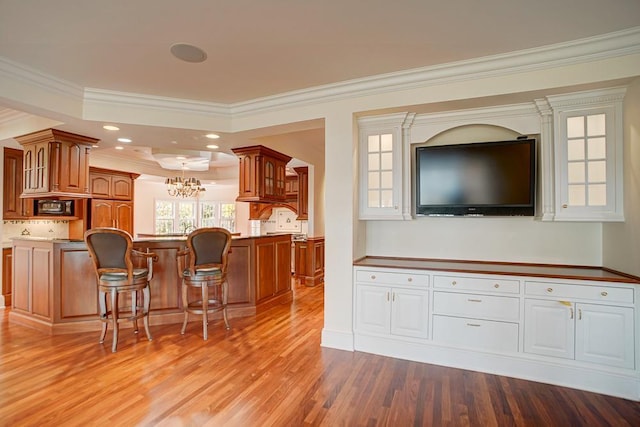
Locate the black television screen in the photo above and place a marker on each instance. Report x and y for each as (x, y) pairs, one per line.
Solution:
(485, 178)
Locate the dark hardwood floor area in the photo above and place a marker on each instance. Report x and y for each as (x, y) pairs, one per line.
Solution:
(268, 370)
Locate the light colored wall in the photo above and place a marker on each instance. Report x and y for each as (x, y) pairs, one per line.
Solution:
(621, 241)
(147, 192)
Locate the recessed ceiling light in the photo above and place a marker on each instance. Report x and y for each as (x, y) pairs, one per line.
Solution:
(119, 147)
(124, 140)
(212, 136)
(181, 158)
(94, 146)
(110, 127)
(188, 52)
(212, 146)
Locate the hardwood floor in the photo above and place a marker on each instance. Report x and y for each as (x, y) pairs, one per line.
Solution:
(268, 370)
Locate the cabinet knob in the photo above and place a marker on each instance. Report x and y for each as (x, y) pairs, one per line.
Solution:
(410, 279)
(549, 290)
(453, 283)
(565, 206)
(373, 277)
(604, 293)
(496, 285)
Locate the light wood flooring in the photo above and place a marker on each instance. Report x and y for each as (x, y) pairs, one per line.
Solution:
(268, 370)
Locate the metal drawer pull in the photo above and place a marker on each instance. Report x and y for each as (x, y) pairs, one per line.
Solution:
(473, 324)
(604, 293)
(454, 283)
(579, 314)
(496, 286)
(571, 309)
(410, 279)
(474, 300)
(549, 290)
(373, 277)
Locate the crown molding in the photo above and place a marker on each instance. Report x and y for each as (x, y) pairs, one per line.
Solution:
(585, 50)
(128, 99)
(15, 72)
(590, 49)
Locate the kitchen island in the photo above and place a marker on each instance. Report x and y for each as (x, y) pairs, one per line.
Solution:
(55, 290)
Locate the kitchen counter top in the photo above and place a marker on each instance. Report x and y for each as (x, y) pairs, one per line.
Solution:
(146, 238)
(501, 268)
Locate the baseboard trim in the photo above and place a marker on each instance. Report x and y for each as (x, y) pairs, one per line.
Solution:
(615, 382)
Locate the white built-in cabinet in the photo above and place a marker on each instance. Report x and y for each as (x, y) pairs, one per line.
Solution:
(580, 140)
(383, 183)
(600, 330)
(578, 333)
(394, 304)
(588, 142)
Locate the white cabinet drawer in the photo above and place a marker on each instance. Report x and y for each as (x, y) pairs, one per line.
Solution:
(595, 292)
(478, 306)
(476, 334)
(389, 278)
(477, 284)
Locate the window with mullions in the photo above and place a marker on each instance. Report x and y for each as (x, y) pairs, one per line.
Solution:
(587, 160)
(180, 216)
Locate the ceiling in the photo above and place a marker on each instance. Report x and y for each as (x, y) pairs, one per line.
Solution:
(258, 49)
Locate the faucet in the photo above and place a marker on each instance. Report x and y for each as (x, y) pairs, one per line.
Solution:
(188, 228)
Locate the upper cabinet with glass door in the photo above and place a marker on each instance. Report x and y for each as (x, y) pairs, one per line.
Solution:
(381, 167)
(588, 154)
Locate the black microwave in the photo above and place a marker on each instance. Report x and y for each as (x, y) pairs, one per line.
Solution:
(54, 207)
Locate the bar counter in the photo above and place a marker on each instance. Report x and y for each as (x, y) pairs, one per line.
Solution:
(55, 290)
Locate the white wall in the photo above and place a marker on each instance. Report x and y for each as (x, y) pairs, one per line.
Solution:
(147, 192)
(621, 241)
(513, 239)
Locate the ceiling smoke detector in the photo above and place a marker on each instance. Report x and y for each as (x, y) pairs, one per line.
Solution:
(188, 52)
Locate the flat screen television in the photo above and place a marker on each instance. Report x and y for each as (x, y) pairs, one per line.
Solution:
(477, 179)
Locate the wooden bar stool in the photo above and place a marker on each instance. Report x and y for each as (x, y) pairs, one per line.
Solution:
(203, 265)
(111, 250)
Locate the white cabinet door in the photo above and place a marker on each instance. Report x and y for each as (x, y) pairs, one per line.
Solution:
(409, 313)
(604, 335)
(373, 309)
(549, 328)
(382, 173)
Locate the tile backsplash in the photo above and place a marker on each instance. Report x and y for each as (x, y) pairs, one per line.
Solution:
(55, 229)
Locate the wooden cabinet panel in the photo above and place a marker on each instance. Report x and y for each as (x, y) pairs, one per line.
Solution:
(13, 206)
(112, 213)
(7, 268)
(239, 274)
(55, 164)
(77, 284)
(122, 187)
(303, 193)
(33, 277)
(100, 184)
(262, 174)
(22, 260)
(265, 270)
(309, 261)
(102, 213)
(41, 281)
(111, 184)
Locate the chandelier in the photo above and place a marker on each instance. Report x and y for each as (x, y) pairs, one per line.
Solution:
(183, 187)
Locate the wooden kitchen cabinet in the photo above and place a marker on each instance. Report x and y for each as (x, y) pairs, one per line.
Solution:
(112, 213)
(303, 193)
(7, 269)
(110, 184)
(55, 164)
(262, 174)
(14, 207)
(309, 261)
